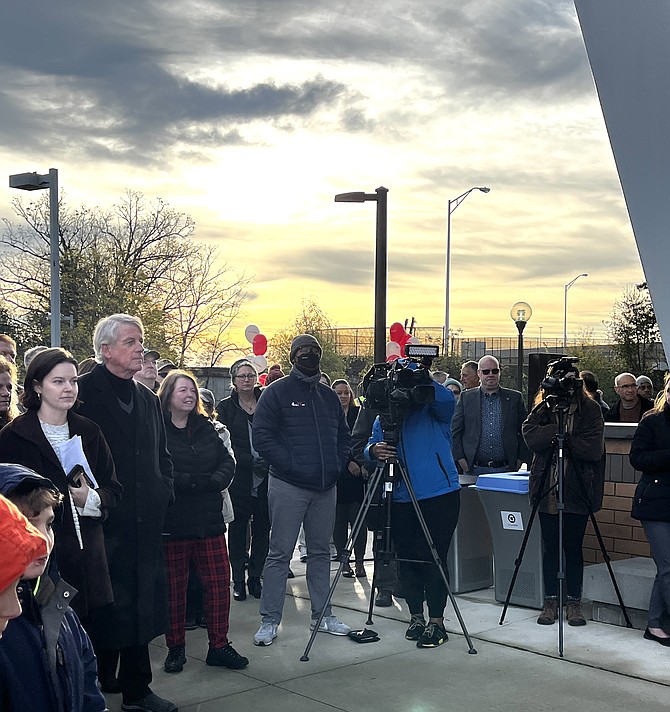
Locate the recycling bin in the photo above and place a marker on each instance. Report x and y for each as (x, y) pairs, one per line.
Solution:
(504, 497)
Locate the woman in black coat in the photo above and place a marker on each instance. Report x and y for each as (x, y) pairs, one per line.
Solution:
(650, 453)
(349, 491)
(194, 527)
(249, 491)
(34, 439)
(584, 464)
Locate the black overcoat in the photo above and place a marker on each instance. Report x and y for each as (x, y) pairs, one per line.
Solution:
(22, 441)
(236, 420)
(133, 530)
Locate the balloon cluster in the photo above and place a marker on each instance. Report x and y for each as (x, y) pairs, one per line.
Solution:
(259, 345)
(395, 348)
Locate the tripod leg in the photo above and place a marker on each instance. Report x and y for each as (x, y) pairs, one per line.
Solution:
(436, 557)
(360, 521)
(596, 529)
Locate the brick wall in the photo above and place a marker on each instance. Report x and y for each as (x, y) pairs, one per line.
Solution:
(623, 537)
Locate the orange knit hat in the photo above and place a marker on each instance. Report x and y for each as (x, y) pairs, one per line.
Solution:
(20, 543)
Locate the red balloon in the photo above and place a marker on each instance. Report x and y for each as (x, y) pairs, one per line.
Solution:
(397, 331)
(404, 339)
(262, 378)
(259, 344)
(392, 357)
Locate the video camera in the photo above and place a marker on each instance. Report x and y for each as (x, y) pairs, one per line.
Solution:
(393, 389)
(562, 381)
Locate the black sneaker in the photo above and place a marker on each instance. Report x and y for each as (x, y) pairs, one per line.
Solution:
(433, 635)
(200, 620)
(417, 626)
(176, 659)
(226, 657)
(151, 703)
(255, 587)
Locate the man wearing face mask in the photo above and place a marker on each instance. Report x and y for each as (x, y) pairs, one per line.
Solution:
(300, 429)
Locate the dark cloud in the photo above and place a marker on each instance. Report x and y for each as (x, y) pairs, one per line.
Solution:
(124, 80)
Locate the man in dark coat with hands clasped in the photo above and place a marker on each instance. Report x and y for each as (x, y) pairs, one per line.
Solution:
(130, 418)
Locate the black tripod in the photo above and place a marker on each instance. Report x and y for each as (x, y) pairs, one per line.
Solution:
(560, 406)
(387, 476)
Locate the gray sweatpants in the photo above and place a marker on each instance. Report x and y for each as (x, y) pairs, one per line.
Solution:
(290, 507)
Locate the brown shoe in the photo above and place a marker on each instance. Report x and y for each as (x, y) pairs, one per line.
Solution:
(549, 612)
(573, 612)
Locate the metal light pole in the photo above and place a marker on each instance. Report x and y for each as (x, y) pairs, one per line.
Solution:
(34, 181)
(451, 206)
(565, 307)
(520, 313)
(381, 263)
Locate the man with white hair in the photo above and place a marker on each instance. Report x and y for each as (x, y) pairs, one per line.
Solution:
(486, 428)
(630, 406)
(130, 418)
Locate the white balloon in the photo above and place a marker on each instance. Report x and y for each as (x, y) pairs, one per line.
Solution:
(392, 349)
(251, 331)
(260, 361)
(413, 340)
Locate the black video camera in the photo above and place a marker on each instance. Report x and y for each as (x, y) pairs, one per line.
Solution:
(393, 389)
(562, 381)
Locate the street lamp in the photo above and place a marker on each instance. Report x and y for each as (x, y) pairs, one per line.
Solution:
(451, 206)
(34, 181)
(381, 253)
(565, 308)
(520, 313)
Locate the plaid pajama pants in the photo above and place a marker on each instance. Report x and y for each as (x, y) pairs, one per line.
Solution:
(210, 557)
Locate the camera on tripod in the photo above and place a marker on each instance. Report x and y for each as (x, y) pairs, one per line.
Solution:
(561, 382)
(393, 389)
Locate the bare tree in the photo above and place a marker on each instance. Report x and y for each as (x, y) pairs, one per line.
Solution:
(138, 257)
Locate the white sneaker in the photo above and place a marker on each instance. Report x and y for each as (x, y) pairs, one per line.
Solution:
(331, 625)
(266, 634)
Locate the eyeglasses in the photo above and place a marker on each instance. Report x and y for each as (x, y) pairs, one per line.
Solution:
(627, 385)
(486, 371)
(245, 376)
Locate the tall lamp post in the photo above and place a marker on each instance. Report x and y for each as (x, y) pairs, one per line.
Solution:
(565, 307)
(381, 263)
(451, 206)
(520, 313)
(34, 181)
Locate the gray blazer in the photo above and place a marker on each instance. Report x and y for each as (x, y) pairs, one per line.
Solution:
(466, 426)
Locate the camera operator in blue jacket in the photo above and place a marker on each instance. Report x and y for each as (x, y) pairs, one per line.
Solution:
(424, 451)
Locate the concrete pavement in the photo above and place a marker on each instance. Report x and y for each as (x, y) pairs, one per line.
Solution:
(517, 667)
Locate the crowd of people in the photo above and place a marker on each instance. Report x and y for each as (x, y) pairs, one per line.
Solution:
(126, 491)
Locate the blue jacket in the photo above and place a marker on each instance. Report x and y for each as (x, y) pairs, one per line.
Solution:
(424, 448)
(300, 429)
(46, 659)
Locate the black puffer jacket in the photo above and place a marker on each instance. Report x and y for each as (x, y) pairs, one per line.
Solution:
(650, 453)
(202, 468)
(300, 429)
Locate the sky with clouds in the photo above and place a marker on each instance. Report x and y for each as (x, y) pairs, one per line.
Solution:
(251, 116)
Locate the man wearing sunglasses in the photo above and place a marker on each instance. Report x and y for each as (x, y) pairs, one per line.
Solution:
(486, 428)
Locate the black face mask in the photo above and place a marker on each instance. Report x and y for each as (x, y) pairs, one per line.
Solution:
(308, 361)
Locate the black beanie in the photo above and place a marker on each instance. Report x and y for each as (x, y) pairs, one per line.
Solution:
(303, 340)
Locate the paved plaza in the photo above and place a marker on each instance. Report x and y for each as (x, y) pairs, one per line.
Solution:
(516, 667)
